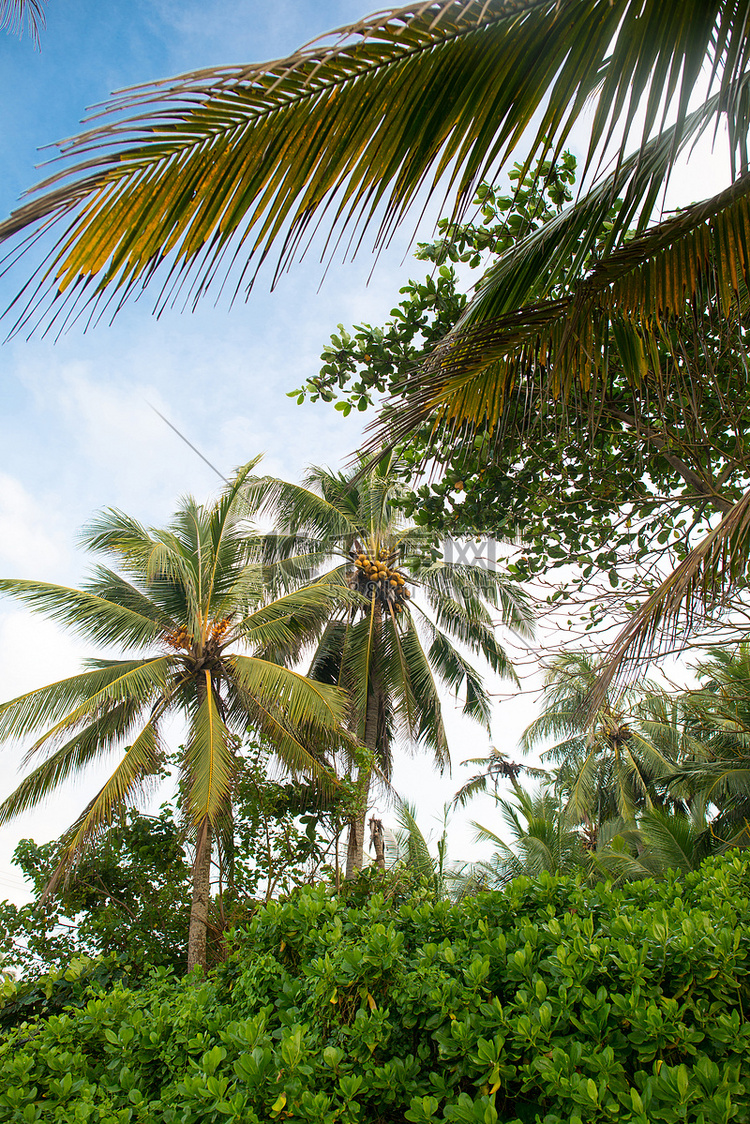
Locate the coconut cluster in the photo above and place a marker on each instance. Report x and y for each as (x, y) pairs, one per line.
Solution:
(181, 639)
(375, 573)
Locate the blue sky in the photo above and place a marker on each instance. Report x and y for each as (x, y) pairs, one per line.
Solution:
(76, 430)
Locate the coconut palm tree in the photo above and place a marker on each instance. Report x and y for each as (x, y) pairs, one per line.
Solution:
(611, 766)
(190, 606)
(396, 644)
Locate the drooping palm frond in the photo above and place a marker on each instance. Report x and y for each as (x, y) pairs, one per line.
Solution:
(136, 770)
(702, 582)
(89, 614)
(207, 765)
(15, 14)
(208, 170)
(505, 367)
(63, 707)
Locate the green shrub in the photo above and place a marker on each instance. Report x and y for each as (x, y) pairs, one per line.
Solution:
(551, 1002)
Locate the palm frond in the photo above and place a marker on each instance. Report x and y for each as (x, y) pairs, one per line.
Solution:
(76, 701)
(14, 14)
(92, 616)
(106, 733)
(701, 582)
(429, 730)
(213, 167)
(472, 584)
(141, 761)
(209, 762)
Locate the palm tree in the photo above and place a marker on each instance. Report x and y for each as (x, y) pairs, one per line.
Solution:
(389, 648)
(612, 765)
(543, 836)
(663, 840)
(717, 771)
(191, 601)
(411, 850)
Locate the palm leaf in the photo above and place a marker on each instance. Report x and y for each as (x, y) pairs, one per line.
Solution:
(209, 764)
(700, 583)
(93, 616)
(76, 701)
(212, 168)
(104, 734)
(15, 13)
(141, 761)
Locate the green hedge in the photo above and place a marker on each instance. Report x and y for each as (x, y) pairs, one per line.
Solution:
(551, 1002)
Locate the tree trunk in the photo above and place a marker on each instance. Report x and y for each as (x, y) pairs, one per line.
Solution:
(355, 845)
(201, 897)
(377, 839)
(372, 736)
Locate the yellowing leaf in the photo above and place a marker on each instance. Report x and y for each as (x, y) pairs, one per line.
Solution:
(371, 1002)
(279, 1103)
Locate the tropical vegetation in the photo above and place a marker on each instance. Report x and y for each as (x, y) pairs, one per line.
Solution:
(402, 639)
(588, 403)
(551, 1001)
(193, 598)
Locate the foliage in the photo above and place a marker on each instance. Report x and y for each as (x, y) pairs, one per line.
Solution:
(544, 838)
(399, 637)
(129, 899)
(551, 1002)
(218, 166)
(190, 599)
(622, 495)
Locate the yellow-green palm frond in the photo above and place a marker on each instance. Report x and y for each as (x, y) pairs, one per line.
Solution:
(209, 170)
(620, 314)
(105, 734)
(61, 707)
(208, 766)
(293, 620)
(303, 511)
(138, 767)
(88, 614)
(302, 719)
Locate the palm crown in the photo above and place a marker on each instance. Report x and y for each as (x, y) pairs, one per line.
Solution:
(192, 597)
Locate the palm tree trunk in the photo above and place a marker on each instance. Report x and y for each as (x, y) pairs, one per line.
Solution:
(355, 847)
(201, 896)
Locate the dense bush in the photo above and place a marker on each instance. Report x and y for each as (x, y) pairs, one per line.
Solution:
(550, 1002)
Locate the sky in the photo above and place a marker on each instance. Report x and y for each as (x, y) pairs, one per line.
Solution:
(77, 432)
